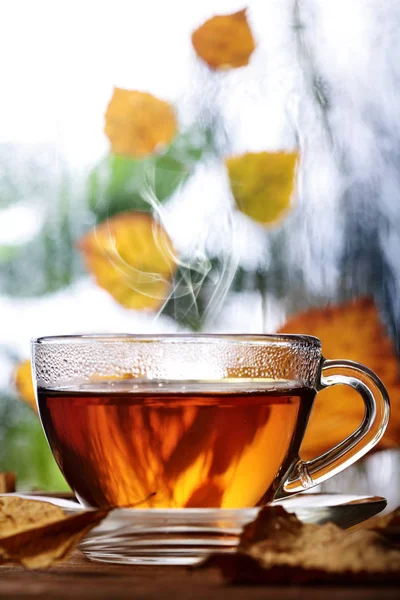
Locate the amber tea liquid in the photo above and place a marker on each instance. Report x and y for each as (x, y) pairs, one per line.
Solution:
(198, 445)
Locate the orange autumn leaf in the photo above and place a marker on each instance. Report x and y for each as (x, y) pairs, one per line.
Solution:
(137, 123)
(132, 258)
(225, 41)
(353, 331)
(24, 383)
(262, 183)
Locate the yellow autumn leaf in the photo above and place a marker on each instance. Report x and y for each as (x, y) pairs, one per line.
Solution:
(137, 123)
(24, 384)
(225, 41)
(351, 330)
(132, 257)
(262, 183)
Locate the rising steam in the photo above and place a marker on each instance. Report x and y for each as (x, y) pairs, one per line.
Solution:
(194, 271)
(195, 267)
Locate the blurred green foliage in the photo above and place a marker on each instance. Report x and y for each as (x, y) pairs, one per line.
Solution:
(121, 183)
(24, 173)
(24, 449)
(49, 261)
(192, 292)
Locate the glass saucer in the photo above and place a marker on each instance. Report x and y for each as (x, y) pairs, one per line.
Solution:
(186, 536)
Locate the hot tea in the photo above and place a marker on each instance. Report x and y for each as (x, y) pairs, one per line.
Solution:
(184, 445)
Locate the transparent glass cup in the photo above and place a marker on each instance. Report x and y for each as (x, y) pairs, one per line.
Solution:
(187, 434)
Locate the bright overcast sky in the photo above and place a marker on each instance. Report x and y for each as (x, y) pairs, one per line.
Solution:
(61, 59)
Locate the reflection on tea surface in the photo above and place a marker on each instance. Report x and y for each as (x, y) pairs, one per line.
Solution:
(182, 448)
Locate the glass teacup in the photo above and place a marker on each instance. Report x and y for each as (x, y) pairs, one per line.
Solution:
(181, 429)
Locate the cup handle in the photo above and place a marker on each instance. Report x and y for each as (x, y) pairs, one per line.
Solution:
(305, 474)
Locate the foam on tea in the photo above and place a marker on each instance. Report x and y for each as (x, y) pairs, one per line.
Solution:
(188, 444)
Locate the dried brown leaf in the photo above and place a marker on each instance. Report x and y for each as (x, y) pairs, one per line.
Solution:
(38, 534)
(277, 548)
(7, 483)
(387, 522)
(388, 525)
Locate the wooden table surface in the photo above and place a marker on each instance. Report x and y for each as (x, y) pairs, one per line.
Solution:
(79, 579)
